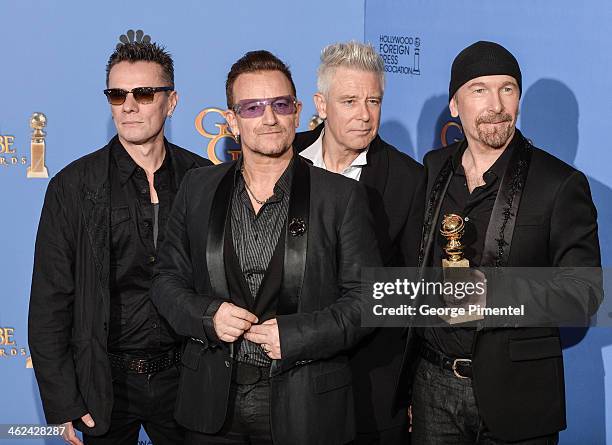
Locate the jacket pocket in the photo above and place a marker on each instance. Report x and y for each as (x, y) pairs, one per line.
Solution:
(119, 215)
(332, 380)
(191, 355)
(534, 348)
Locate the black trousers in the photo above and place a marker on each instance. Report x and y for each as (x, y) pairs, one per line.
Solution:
(248, 418)
(444, 412)
(145, 400)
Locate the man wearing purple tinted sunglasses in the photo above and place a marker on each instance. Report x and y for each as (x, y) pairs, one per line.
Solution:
(261, 272)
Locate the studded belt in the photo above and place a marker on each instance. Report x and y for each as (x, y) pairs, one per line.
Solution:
(150, 365)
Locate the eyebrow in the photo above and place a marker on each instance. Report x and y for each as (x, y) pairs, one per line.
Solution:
(482, 84)
(352, 96)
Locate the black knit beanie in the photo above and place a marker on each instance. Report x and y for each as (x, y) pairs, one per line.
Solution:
(482, 59)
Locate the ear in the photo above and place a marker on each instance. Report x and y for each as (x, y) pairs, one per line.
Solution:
(172, 102)
(231, 119)
(298, 111)
(321, 105)
(453, 107)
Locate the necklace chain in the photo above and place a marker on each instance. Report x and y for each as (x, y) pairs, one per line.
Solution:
(246, 184)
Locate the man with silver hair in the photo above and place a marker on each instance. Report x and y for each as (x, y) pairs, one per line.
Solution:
(349, 99)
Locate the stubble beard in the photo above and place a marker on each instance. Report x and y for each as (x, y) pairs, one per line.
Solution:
(495, 136)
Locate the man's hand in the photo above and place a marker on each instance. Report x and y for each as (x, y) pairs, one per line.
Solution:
(69, 435)
(266, 335)
(231, 321)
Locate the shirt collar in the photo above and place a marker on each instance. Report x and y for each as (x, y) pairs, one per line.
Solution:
(499, 166)
(283, 184)
(127, 166)
(314, 153)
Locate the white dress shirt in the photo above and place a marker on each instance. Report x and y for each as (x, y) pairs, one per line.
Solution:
(314, 153)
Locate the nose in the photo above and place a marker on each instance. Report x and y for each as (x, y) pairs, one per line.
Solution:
(495, 103)
(130, 105)
(269, 117)
(363, 111)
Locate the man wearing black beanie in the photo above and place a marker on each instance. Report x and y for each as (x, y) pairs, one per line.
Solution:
(521, 207)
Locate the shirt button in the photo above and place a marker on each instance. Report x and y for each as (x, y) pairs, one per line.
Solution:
(151, 259)
(144, 191)
(155, 325)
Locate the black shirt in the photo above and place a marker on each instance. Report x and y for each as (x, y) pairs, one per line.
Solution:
(476, 209)
(135, 327)
(255, 237)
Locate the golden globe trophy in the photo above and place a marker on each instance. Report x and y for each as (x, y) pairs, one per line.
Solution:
(37, 168)
(456, 271)
(452, 229)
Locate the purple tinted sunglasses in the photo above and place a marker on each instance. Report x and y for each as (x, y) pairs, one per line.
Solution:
(249, 108)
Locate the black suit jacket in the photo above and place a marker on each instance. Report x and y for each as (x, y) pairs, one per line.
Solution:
(318, 310)
(395, 186)
(70, 297)
(518, 372)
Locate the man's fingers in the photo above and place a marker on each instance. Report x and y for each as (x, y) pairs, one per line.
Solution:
(264, 329)
(228, 338)
(255, 337)
(239, 323)
(88, 420)
(271, 321)
(232, 331)
(69, 435)
(244, 314)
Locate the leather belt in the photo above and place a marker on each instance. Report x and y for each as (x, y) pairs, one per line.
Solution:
(245, 374)
(151, 365)
(461, 367)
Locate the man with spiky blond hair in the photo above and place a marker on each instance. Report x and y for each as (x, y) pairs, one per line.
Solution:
(350, 86)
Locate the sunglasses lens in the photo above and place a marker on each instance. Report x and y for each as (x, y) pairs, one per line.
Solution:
(283, 105)
(252, 109)
(116, 96)
(255, 108)
(143, 95)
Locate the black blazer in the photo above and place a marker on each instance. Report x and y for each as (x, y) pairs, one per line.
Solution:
(70, 297)
(395, 185)
(318, 311)
(518, 372)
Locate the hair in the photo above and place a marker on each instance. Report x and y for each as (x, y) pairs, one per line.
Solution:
(351, 54)
(252, 62)
(143, 52)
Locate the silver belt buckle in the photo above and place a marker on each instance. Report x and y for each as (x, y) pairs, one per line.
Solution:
(457, 360)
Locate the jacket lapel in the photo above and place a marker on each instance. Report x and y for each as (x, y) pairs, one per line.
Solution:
(432, 211)
(180, 164)
(500, 230)
(219, 215)
(296, 239)
(375, 173)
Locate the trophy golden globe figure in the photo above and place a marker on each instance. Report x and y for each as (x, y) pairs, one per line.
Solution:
(452, 229)
(37, 168)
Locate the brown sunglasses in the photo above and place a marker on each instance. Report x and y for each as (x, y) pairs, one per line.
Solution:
(142, 95)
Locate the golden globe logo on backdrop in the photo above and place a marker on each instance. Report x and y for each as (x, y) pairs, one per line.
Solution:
(8, 152)
(10, 349)
(451, 132)
(221, 145)
(10, 157)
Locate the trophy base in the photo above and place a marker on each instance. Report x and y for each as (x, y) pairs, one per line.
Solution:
(459, 263)
(44, 173)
